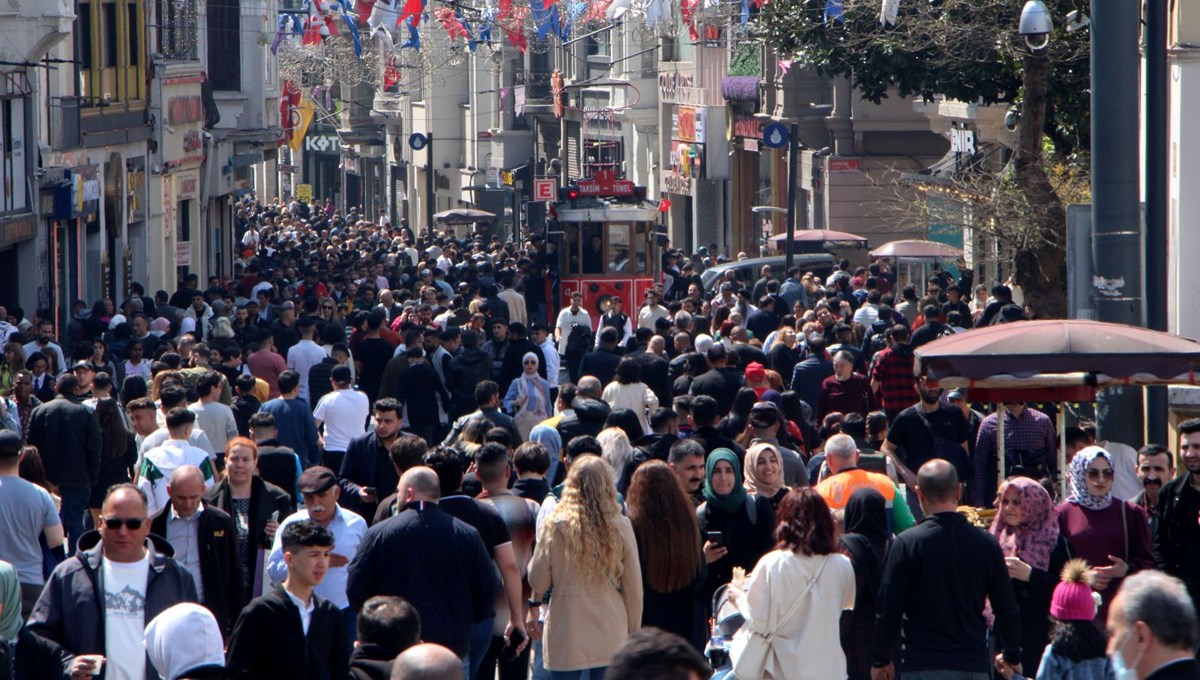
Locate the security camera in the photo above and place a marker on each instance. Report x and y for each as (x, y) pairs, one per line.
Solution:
(1012, 118)
(1036, 24)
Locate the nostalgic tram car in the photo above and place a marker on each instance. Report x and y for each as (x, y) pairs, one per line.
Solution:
(608, 243)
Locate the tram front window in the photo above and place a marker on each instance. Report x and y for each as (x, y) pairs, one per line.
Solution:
(619, 248)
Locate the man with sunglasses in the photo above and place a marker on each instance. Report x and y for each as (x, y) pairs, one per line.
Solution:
(96, 605)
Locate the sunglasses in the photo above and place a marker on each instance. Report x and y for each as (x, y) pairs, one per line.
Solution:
(1093, 473)
(115, 523)
(531, 363)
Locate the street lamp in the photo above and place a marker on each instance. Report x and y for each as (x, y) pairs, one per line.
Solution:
(776, 210)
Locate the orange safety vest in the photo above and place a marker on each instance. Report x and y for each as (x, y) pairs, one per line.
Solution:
(836, 490)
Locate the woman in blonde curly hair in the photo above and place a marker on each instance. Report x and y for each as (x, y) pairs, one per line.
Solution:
(588, 553)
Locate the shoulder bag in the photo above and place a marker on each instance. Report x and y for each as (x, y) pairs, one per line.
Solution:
(750, 662)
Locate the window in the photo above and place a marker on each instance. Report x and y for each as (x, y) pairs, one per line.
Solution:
(13, 193)
(177, 29)
(224, 45)
(111, 51)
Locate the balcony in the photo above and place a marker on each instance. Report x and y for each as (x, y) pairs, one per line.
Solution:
(65, 130)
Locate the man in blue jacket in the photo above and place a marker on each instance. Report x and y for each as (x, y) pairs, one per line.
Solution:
(294, 422)
(434, 561)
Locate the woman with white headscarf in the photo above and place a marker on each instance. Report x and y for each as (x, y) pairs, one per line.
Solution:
(528, 397)
(1111, 534)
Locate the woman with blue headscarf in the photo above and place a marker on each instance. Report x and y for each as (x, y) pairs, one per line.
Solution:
(745, 523)
(1113, 535)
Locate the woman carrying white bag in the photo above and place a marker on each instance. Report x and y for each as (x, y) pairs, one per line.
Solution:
(794, 598)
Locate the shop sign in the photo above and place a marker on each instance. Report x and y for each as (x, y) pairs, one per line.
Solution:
(183, 116)
(746, 127)
(169, 207)
(328, 144)
(687, 124)
(676, 86)
(844, 164)
(304, 192)
(183, 254)
(676, 184)
(18, 229)
(188, 185)
(135, 188)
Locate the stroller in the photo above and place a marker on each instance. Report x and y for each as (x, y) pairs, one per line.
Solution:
(726, 621)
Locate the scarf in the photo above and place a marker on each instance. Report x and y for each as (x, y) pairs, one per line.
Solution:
(735, 499)
(535, 398)
(10, 600)
(1079, 489)
(867, 535)
(754, 484)
(1035, 537)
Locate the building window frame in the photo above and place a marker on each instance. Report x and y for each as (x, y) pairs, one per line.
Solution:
(112, 53)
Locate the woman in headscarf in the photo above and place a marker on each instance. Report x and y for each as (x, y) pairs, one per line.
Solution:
(528, 397)
(764, 473)
(865, 541)
(550, 438)
(738, 528)
(1026, 525)
(1111, 534)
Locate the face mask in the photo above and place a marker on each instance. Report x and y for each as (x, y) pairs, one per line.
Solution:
(1120, 669)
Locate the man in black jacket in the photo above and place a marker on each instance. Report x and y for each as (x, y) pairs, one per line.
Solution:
(653, 364)
(602, 362)
(588, 412)
(273, 638)
(67, 434)
(468, 368)
(936, 580)
(82, 614)
(1176, 538)
(387, 625)
(436, 562)
(719, 382)
(205, 543)
(518, 347)
(1152, 626)
(704, 417)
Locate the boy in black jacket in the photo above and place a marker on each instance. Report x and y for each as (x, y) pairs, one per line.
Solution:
(290, 632)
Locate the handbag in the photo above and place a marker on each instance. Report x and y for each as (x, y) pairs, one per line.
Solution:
(526, 419)
(750, 662)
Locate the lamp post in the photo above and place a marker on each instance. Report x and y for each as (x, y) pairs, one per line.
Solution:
(776, 210)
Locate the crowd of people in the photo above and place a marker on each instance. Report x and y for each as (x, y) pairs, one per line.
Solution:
(367, 455)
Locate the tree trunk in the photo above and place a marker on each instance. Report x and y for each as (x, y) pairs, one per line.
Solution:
(1040, 261)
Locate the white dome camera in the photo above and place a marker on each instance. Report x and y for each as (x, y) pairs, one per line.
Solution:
(1036, 24)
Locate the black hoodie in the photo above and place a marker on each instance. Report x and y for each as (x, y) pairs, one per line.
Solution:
(467, 369)
(587, 418)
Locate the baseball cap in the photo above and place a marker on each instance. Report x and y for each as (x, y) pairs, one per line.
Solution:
(316, 479)
(82, 363)
(957, 394)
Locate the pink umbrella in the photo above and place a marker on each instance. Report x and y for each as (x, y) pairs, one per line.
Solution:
(917, 250)
(819, 235)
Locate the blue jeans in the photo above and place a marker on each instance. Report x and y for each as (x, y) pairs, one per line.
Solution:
(74, 507)
(586, 673)
(481, 640)
(539, 670)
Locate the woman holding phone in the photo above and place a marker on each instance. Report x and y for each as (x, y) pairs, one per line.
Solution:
(737, 527)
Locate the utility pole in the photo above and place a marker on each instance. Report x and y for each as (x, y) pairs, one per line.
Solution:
(1116, 215)
(793, 152)
(430, 203)
(1156, 176)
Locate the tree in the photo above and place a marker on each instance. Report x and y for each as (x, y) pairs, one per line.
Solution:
(968, 50)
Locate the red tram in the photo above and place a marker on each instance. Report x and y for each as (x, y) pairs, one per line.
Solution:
(608, 243)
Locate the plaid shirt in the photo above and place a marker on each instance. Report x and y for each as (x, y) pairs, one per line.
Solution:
(893, 370)
(1031, 435)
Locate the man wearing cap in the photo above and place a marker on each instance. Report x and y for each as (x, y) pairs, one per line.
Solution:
(318, 485)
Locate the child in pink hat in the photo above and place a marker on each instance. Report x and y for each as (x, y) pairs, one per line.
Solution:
(1077, 648)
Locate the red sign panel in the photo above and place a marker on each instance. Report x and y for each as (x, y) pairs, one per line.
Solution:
(605, 183)
(543, 189)
(844, 164)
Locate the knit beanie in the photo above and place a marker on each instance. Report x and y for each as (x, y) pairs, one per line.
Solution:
(1072, 600)
(755, 372)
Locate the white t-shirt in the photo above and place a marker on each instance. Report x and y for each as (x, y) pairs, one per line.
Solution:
(565, 318)
(301, 357)
(125, 618)
(344, 414)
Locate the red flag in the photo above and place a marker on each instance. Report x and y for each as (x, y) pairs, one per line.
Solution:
(364, 10)
(412, 8)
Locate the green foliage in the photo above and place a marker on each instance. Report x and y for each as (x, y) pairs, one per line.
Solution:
(968, 50)
(746, 60)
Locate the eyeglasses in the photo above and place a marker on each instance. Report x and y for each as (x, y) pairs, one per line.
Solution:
(115, 523)
(1107, 473)
(531, 363)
